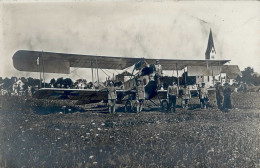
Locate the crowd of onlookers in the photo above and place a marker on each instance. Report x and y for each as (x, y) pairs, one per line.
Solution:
(27, 86)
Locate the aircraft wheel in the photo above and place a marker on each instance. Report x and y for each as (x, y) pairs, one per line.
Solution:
(128, 106)
(4, 92)
(164, 106)
(135, 107)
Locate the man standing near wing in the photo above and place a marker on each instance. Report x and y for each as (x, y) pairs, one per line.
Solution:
(111, 97)
(172, 94)
(203, 95)
(139, 95)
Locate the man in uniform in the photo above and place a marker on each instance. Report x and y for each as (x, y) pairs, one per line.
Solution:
(186, 97)
(158, 73)
(203, 95)
(111, 97)
(219, 95)
(172, 95)
(139, 95)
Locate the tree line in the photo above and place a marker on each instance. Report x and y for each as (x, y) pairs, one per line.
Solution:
(7, 83)
(249, 76)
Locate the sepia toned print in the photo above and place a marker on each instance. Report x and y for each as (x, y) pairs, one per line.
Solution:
(129, 84)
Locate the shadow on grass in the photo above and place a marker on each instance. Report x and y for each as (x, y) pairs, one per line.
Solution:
(57, 109)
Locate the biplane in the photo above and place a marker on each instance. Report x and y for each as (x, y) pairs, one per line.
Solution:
(49, 62)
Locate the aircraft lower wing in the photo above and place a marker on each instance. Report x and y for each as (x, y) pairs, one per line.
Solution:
(84, 96)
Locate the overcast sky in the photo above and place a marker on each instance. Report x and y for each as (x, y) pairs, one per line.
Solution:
(177, 30)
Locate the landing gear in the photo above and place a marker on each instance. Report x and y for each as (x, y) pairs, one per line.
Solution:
(164, 106)
(128, 106)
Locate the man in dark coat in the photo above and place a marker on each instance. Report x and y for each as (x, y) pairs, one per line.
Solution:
(227, 97)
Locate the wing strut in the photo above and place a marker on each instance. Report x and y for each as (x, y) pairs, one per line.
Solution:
(185, 76)
(39, 69)
(92, 74)
(177, 75)
(43, 71)
(97, 72)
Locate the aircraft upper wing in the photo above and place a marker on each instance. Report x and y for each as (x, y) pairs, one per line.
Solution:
(49, 62)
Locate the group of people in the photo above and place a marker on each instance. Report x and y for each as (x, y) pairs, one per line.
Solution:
(223, 96)
(112, 96)
(173, 92)
(222, 93)
(156, 70)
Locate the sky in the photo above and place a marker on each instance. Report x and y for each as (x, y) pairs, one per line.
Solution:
(149, 29)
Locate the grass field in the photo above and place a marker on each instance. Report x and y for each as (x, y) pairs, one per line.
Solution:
(187, 138)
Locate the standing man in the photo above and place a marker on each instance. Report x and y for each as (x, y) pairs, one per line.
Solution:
(158, 73)
(15, 88)
(186, 97)
(30, 90)
(219, 95)
(227, 97)
(111, 97)
(203, 95)
(172, 94)
(139, 95)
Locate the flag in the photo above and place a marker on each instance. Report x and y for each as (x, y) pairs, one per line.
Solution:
(210, 52)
